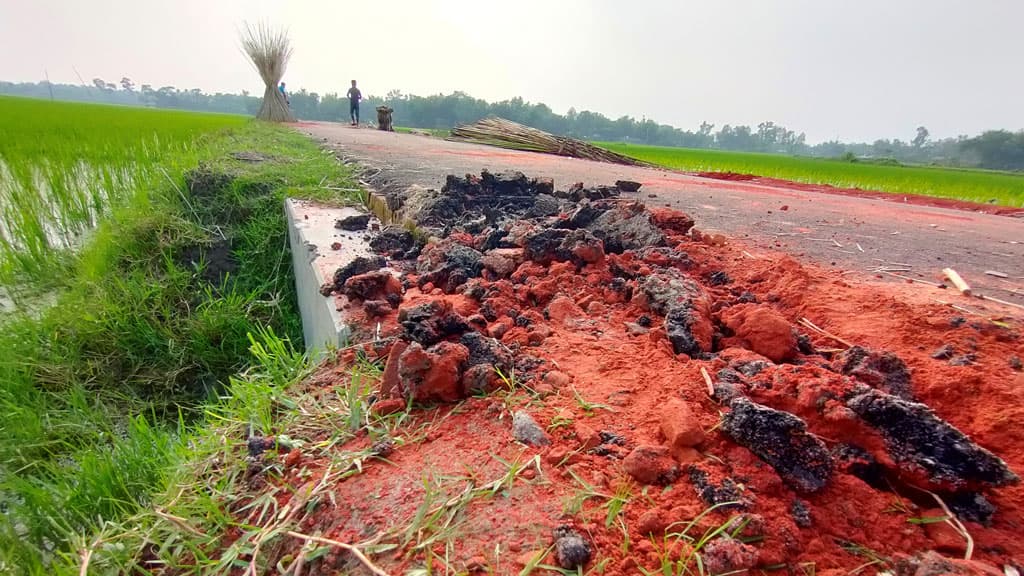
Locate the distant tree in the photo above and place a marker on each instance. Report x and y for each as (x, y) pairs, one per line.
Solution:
(921, 138)
(99, 83)
(127, 84)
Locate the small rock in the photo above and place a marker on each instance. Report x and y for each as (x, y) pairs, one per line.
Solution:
(652, 522)
(499, 328)
(882, 370)
(502, 261)
(571, 550)
(377, 308)
(387, 406)
(377, 285)
(944, 353)
(353, 223)
(335, 245)
(526, 430)
(390, 385)
(432, 374)
(644, 320)
(1016, 363)
(764, 330)
(587, 436)
(678, 424)
(931, 563)
(725, 554)
(558, 379)
(651, 465)
(359, 265)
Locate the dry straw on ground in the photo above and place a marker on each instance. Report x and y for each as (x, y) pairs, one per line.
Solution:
(507, 134)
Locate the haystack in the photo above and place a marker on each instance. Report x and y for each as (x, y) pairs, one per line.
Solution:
(269, 51)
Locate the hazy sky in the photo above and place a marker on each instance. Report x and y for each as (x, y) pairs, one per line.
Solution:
(834, 69)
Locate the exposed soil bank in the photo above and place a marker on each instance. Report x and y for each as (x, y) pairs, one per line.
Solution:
(620, 352)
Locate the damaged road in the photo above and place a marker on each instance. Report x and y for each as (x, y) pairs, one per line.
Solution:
(621, 352)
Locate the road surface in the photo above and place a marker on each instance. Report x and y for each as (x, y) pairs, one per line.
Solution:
(854, 233)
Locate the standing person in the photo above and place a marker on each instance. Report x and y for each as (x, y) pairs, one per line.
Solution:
(354, 96)
(285, 94)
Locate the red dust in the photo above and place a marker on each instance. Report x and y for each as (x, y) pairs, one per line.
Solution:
(598, 376)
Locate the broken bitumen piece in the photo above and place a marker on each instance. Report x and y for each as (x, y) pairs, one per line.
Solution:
(801, 513)
(922, 442)
(725, 495)
(781, 439)
(719, 278)
(882, 370)
(571, 549)
(487, 357)
(353, 223)
(448, 265)
(359, 265)
(526, 430)
(680, 323)
(393, 241)
(628, 185)
(971, 506)
(945, 352)
(431, 322)
(626, 228)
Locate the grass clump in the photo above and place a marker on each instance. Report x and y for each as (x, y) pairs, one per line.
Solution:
(1002, 188)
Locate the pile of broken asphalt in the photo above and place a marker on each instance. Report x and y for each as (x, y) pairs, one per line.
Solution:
(631, 353)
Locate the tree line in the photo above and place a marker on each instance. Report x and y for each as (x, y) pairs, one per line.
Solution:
(993, 149)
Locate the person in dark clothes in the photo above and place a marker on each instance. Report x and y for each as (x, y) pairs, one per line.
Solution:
(354, 96)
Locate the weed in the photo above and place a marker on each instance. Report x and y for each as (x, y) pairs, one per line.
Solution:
(588, 407)
(873, 558)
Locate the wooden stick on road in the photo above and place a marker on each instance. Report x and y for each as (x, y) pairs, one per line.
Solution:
(957, 281)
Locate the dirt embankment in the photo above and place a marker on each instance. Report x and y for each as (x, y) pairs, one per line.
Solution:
(640, 385)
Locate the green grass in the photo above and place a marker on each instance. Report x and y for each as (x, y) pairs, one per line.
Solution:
(1002, 188)
(64, 166)
(101, 388)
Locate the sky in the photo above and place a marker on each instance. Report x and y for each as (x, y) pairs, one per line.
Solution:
(834, 69)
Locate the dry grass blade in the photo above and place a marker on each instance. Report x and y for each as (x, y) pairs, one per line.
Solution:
(355, 551)
(507, 134)
(269, 51)
(808, 324)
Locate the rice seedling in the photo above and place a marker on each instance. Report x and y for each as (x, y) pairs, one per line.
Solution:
(63, 167)
(1003, 188)
(141, 366)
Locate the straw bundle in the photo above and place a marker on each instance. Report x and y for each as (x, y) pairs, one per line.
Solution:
(507, 134)
(269, 52)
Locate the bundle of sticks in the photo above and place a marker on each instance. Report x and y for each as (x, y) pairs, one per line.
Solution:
(507, 134)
